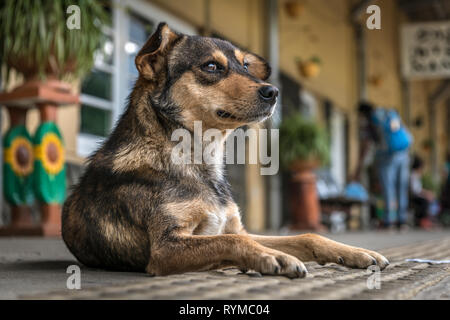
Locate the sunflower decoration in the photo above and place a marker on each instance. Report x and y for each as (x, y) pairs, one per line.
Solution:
(18, 166)
(20, 156)
(49, 165)
(51, 153)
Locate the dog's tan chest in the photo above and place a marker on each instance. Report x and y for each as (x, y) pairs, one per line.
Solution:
(222, 220)
(200, 218)
(212, 223)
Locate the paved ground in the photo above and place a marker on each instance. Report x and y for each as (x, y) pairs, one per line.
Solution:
(36, 268)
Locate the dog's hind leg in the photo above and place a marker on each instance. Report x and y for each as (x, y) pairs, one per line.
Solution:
(312, 247)
(181, 253)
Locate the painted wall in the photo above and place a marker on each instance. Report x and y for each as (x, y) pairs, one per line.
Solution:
(421, 90)
(237, 20)
(322, 30)
(383, 58)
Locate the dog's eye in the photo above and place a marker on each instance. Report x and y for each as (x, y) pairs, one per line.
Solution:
(211, 67)
(246, 66)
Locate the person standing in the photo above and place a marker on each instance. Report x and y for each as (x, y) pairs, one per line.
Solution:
(383, 131)
(424, 202)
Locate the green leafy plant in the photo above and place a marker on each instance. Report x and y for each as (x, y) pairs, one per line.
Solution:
(36, 41)
(314, 59)
(428, 144)
(429, 183)
(302, 140)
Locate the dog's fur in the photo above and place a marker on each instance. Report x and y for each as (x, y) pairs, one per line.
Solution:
(136, 210)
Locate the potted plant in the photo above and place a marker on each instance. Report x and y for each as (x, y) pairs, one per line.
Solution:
(428, 145)
(309, 68)
(37, 43)
(376, 80)
(304, 146)
(294, 9)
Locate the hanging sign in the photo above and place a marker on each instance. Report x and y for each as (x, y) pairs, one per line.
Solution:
(426, 50)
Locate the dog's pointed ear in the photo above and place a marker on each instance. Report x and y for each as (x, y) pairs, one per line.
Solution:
(151, 58)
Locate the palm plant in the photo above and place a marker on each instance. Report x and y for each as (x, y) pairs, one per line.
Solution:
(36, 42)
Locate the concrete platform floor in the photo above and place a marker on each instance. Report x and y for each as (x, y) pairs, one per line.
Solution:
(36, 268)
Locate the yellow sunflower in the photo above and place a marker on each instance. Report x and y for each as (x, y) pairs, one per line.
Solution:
(51, 153)
(20, 156)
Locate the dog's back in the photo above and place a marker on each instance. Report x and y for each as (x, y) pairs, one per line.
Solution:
(104, 220)
(99, 229)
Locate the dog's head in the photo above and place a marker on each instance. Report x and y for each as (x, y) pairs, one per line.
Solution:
(191, 78)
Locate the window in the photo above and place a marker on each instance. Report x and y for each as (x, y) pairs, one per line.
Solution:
(97, 100)
(140, 29)
(105, 89)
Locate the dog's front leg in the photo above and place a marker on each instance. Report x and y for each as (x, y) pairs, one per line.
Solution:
(187, 253)
(312, 247)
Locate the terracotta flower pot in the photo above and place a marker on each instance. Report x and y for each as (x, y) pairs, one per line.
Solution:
(376, 81)
(304, 202)
(30, 68)
(309, 69)
(294, 9)
(304, 165)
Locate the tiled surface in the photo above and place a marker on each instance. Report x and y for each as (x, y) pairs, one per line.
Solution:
(400, 280)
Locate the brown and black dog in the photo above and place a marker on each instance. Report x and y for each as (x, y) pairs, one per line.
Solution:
(134, 209)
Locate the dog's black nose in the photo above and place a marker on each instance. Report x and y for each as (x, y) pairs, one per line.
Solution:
(268, 93)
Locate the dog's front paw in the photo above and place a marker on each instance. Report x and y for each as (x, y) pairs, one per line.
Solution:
(280, 264)
(360, 258)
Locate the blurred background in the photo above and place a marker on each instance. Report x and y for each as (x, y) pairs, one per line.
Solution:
(324, 59)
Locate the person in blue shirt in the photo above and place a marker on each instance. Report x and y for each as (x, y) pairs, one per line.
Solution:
(383, 135)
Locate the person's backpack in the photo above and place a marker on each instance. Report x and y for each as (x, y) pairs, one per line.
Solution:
(394, 134)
